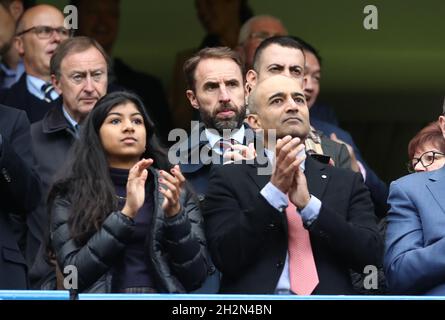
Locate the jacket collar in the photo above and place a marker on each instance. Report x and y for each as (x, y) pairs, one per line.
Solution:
(55, 121)
(435, 184)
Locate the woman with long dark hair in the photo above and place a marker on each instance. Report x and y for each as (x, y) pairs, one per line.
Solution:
(121, 214)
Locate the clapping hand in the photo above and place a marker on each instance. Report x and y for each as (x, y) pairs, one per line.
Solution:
(286, 162)
(136, 187)
(172, 185)
(240, 152)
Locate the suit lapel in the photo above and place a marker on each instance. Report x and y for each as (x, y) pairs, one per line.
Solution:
(317, 177)
(436, 186)
(260, 180)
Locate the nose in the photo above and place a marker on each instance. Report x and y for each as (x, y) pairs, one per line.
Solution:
(128, 125)
(224, 96)
(89, 87)
(291, 105)
(419, 167)
(56, 36)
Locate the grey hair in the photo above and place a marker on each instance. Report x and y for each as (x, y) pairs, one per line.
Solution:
(244, 32)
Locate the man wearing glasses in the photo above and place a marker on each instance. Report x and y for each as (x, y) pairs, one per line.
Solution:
(39, 32)
(253, 32)
(415, 238)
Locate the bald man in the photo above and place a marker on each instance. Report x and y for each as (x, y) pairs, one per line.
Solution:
(39, 32)
(329, 209)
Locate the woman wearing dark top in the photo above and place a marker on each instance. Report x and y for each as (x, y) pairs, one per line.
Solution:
(121, 215)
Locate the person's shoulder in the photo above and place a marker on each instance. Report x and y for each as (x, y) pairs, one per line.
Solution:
(328, 128)
(9, 112)
(414, 180)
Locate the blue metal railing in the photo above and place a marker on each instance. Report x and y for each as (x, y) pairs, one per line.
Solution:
(65, 295)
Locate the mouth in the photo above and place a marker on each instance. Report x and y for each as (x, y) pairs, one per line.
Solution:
(129, 140)
(226, 113)
(88, 100)
(292, 119)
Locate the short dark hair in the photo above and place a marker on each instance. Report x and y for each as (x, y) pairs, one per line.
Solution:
(73, 45)
(209, 53)
(307, 47)
(283, 41)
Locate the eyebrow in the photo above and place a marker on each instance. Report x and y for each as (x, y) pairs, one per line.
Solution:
(282, 94)
(85, 72)
(276, 95)
(120, 114)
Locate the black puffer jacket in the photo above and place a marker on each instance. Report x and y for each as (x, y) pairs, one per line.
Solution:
(177, 246)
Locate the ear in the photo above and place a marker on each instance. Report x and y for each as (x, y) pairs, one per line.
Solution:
(253, 121)
(251, 78)
(192, 98)
(442, 125)
(56, 84)
(16, 9)
(18, 43)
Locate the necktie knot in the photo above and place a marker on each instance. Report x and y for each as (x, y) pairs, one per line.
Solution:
(225, 145)
(47, 89)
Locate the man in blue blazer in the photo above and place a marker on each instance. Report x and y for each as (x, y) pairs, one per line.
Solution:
(415, 237)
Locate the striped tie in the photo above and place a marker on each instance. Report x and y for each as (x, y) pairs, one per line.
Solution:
(47, 88)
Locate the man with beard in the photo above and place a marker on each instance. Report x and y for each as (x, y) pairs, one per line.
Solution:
(216, 89)
(39, 32)
(79, 74)
(215, 81)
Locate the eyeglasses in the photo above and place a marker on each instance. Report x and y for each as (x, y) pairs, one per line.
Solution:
(426, 159)
(46, 32)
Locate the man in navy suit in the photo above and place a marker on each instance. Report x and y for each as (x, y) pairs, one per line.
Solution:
(19, 194)
(39, 32)
(415, 237)
(245, 209)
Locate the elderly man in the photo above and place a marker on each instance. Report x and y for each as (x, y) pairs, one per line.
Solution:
(253, 32)
(298, 230)
(79, 74)
(39, 31)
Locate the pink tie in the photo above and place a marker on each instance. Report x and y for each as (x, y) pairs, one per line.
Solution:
(302, 270)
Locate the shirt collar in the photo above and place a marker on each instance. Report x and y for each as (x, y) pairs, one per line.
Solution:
(34, 86)
(213, 136)
(271, 157)
(68, 117)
